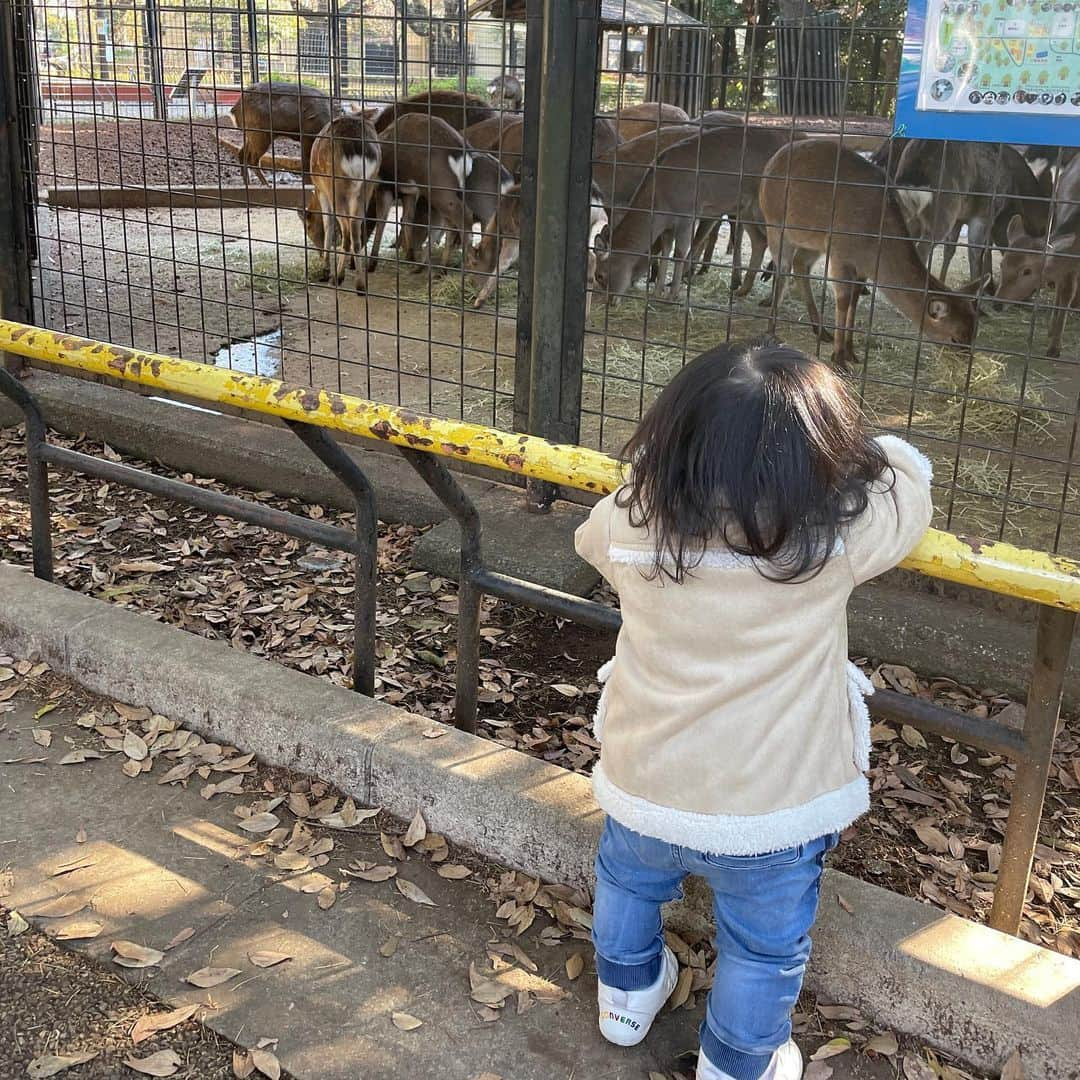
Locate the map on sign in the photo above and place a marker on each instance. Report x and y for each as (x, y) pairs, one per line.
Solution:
(1001, 56)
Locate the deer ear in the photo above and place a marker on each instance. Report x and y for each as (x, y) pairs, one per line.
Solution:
(977, 285)
(1015, 232)
(937, 308)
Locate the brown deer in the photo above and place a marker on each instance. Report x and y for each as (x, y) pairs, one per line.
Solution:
(266, 111)
(453, 107)
(634, 120)
(503, 136)
(345, 159)
(713, 175)
(819, 198)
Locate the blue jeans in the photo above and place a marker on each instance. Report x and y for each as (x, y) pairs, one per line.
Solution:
(765, 906)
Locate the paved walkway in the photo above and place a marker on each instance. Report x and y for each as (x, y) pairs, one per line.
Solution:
(157, 862)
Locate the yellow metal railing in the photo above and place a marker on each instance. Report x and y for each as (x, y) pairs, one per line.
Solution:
(991, 565)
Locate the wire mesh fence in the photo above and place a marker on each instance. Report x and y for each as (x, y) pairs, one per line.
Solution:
(743, 182)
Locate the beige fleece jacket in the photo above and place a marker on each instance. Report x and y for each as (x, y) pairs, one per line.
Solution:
(731, 721)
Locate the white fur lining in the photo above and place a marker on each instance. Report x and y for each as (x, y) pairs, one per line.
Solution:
(895, 447)
(859, 688)
(735, 834)
(712, 559)
(602, 677)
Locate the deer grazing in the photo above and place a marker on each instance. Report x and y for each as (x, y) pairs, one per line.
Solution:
(1032, 262)
(819, 198)
(345, 159)
(710, 176)
(268, 110)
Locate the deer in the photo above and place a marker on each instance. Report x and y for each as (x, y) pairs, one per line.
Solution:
(948, 185)
(710, 176)
(500, 246)
(504, 135)
(345, 159)
(453, 107)
(1032, 262)
(267, 110)
(634, 120)
(506, 93)
(820, 198)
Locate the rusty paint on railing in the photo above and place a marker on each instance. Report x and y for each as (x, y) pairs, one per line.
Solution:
(991, 565)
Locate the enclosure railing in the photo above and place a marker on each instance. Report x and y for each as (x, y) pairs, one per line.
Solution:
(1052, 582)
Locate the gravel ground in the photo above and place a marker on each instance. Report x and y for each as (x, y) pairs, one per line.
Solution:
(57, 1002)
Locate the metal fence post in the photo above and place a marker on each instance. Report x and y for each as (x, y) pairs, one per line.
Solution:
(1052, 642)
(152, 25)
(253, 39)
(16, 287)
(556, 175)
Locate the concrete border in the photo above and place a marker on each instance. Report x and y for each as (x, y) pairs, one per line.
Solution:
(901, 617)
(964, 988)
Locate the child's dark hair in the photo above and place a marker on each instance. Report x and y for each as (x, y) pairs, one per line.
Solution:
(755, 445)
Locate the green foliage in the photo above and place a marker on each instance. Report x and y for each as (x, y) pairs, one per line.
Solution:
(475, 85)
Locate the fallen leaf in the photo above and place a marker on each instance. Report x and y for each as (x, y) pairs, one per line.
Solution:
(453, 871)
(416, 832)
(292, 860)
(327, 897)
(390, 946)
(917, 1069)
(912, 737)
(264, 958)
(681, 992)
(80, 836)
(392, 846)
(413, 892)
(141, 566)
(135, 746)
(79, 756)
(1014, 1068)
(832, 1048)
(178, 772)
(60, 907)
(180, 937)
(149, 1025)
(45, 709)
(372, 873)
(575, 965)
(267, 1063)
(885, 1044)
(211, 976)
(78, 931)
(845, 904)
(163, 1063)
(52, 1064)
(42, 736)
(16, 924)
(260, 823)
(131, 955)
(435, 732)
(932, 837)
(566, 690)
(131, 768)
(405, 1022)
(839, 1012)
(242, 1065)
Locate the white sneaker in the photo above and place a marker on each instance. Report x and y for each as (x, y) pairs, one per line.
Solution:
(627, 1015)
(786, 1064)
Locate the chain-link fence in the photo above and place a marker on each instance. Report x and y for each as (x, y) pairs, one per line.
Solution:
(724, 139)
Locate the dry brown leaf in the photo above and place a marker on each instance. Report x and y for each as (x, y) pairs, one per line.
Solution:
(322, 846)
(16, 924)
(42, 736)
(292, 860)
(135, 746)
(78, 931)
(434, 732)
(681, 992)
(839, 1012)
(413, 892)
(211, 976)
(242, 1065)
(53, 1064)
(265, 958)
(163, 1063)
(454, 871)
(129, 954)
(912, 737)
(1014, 1068)
(80, 836)
(392, 846)
(845, 904)
(416, 832)
(405, 1022)
(260, 823)
(79, 756)
(832, 1048)
(60, 907)
(180, 937)
(149, 1025)
(131, 768)
(372, 873)
(178, 772)
(575, 965)
(327, 897)
(885, 1044)
(266, 1062)
(390, 946)
(932, 837)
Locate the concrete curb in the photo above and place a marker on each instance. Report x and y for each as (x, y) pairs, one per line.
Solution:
(898, 618)
(965, 988)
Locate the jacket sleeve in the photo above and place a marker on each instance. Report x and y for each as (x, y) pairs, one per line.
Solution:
(593, 537)
(896, 517)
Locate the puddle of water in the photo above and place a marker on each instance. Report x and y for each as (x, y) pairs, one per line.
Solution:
(259, 356)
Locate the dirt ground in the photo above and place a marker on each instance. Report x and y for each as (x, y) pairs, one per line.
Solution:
(938, 809)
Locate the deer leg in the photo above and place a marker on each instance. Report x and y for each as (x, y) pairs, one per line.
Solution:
(356, 229)
(384, 200)
(783, 260)
(704, 246)
(757, 255)
(684, 239)
(846, 291)
(329, 229)
(256, 143)
(1066, 295)
(802, 264)
(508, 253)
